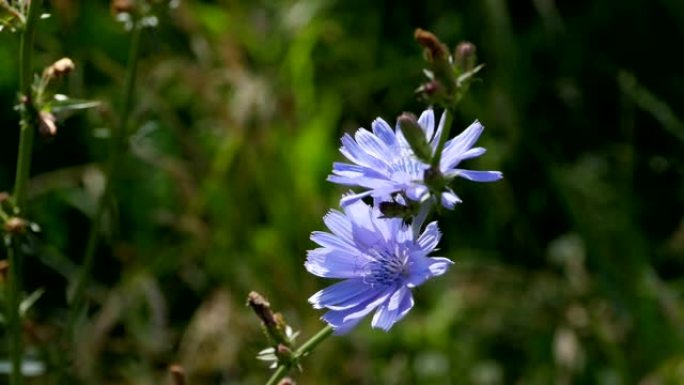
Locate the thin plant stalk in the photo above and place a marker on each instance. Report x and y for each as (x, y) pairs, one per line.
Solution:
(306, 348)
(116, 146)
(27, 128)
(27, 120)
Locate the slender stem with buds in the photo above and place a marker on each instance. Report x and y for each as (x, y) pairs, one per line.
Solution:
(302, 351)
(116, 146)
(27, 128)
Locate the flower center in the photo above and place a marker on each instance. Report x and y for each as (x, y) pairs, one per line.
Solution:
(386, 267)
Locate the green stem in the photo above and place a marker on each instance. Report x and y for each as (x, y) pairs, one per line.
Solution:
(306, 348)
(27, 128)
(13, 316)
(116, 147)
(27, 120)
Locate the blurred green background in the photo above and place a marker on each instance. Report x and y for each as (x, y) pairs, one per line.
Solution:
(569, 271)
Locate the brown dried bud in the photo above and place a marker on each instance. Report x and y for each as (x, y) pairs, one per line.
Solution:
(47, 126)
(262, 309)
(286, 381)
(122, 6)
(434, 49)
(177, 374)
(4, 197)
(16, 226)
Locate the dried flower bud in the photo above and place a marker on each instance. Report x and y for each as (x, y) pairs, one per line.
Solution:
(262, 309)
(465, 56)
(286, 381)
(122, 6)
(16, 226)
(177, 374)
(61, 67)
(47, 126)
(415, 136)
(434, 49)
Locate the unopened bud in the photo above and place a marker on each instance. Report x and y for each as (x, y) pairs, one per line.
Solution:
(16, 226)
(434, 49)
(415, 136)
(122, 6)
(47, 126)
(286, 381)
(61, 67)
(284, 353)
(465, 56)
(177, 374)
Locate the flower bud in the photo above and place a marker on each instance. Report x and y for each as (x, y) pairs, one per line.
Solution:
(415, 136)
(286, 381)
(4, 197)
(61, 67)
(465, 56)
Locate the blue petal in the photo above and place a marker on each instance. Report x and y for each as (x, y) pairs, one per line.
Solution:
(422, 268)
(427, 123)
(479, 176)
(393, 309)
(342, 295)
(455, 148)
(353, 170)
(345, 320)
(440, 129)
(339, 224)
(332, 241)
(356, 154)
(372, 145)
(450, 200)
(429, 239)
(349, 199)
(383, 131)
(333, 263)
(417, 192)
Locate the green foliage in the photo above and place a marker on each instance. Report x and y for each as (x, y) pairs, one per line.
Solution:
(568, 271)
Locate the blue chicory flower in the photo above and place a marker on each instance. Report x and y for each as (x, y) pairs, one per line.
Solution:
(384, 163)
(379, 260)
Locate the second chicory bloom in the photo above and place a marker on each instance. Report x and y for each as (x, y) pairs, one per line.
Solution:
(379, 261)
(384, 163)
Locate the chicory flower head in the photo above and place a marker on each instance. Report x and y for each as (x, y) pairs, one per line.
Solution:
(379, 261)
(385, 164)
